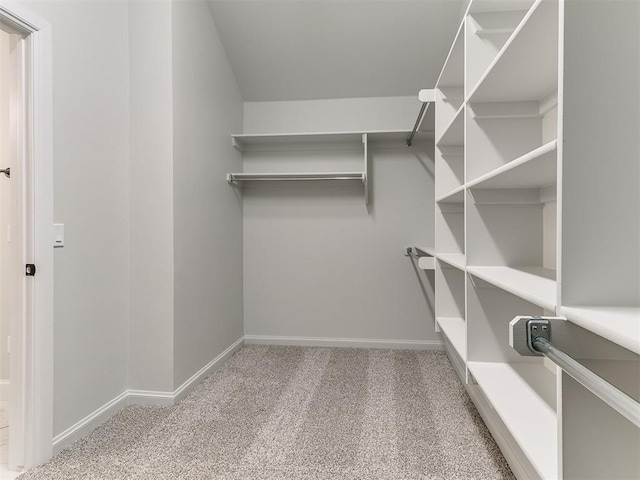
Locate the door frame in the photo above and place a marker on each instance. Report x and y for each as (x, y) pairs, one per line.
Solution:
(35, 353)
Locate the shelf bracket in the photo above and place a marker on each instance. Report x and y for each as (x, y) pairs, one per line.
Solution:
(365, 179)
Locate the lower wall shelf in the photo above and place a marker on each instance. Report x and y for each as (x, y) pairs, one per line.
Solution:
(524, 397)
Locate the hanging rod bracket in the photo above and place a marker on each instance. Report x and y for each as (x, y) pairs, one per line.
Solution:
(524, 330)
(537, 328)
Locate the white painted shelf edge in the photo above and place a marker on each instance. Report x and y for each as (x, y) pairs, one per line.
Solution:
(620, 325)
(242, 140)
(533, 284)
(503, 50)
(456, 260)
(456, 331)
(513, 390)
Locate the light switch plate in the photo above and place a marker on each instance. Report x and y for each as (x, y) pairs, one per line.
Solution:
(58, 234)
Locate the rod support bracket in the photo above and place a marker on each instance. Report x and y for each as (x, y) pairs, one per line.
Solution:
(536, 328)
(523, 330)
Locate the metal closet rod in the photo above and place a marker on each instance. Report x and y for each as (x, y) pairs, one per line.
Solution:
(417, 124)
(617, 399)
(294, 177)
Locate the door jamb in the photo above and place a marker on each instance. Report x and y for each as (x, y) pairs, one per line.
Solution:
(37, 349)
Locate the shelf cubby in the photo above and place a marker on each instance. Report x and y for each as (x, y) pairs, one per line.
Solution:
(511, 241)
(537, 168)
(501, 132)
(448, 102)
(523, 398)
(485, 35)
(450, 314)
(450, 307)
(449, 168)
(450, 230)
(453, 132)
(526, 67)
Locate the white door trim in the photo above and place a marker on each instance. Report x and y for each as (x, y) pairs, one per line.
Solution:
(37, 349)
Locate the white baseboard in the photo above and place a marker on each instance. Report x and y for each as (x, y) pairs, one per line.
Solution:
(139, 397)
(150, 397)
(190, 384)
(343, 342)
(88, 423)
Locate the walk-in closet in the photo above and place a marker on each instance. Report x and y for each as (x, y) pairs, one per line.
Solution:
(320, 239)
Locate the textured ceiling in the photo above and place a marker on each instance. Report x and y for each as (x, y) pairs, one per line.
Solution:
(316, 49)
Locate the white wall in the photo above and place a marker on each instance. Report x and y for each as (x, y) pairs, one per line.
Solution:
(317, 262)
(151, 197)
(338, 115)
(207, 109)
(91, 197)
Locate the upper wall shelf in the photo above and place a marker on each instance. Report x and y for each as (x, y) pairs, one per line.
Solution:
(293, 141)
(527, 66)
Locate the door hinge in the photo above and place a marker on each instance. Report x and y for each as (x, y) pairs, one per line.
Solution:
(30, 270)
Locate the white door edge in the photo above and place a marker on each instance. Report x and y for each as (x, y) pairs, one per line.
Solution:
(37, 347)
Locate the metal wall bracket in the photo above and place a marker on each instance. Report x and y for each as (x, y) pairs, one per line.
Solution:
(537, 327)
(525, 329)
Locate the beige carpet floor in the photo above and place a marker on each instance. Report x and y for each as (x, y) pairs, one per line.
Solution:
(299, 413)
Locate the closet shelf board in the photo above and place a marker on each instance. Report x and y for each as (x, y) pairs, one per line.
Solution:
(427, 250)
(486, 32)
(537, 168)
(456, 260)
(456, 331)
(523, 396)
(508, 78)
(533, 284)
(620, 325)
(257, 142)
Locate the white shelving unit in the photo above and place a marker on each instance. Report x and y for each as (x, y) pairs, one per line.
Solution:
(536, 201)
